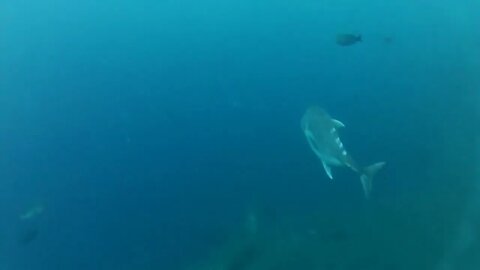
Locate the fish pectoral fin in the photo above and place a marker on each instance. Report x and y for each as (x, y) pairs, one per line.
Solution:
(338, 124)
(328, 170)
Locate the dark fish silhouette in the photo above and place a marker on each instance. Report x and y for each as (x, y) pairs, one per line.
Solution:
(348, 39)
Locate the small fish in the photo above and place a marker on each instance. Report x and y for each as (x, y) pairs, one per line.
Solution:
(323, 138)
(348, 39)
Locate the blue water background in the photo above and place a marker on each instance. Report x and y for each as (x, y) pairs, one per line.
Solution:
(147, 128)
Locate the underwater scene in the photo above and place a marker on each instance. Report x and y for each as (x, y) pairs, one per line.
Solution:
(240, 135)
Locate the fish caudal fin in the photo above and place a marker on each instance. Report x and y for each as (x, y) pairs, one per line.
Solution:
(367, 177)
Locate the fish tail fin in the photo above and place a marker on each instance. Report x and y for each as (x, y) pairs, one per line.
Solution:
(367, 177)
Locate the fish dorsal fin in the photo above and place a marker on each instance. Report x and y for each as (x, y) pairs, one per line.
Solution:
(337, 123)
(328, 170)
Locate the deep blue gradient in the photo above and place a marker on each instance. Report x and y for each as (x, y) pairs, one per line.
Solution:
(148, 128)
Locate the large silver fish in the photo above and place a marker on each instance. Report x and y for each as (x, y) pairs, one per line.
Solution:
(322, 135)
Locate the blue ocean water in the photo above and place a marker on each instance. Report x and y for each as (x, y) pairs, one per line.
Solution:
(156, 134)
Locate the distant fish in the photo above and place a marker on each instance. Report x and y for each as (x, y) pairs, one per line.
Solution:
(244, 258)
(337, 235)
(387, 40)
(32, 212)
(322, 136)
(251, 224)
(27, 236)
(348, 39)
